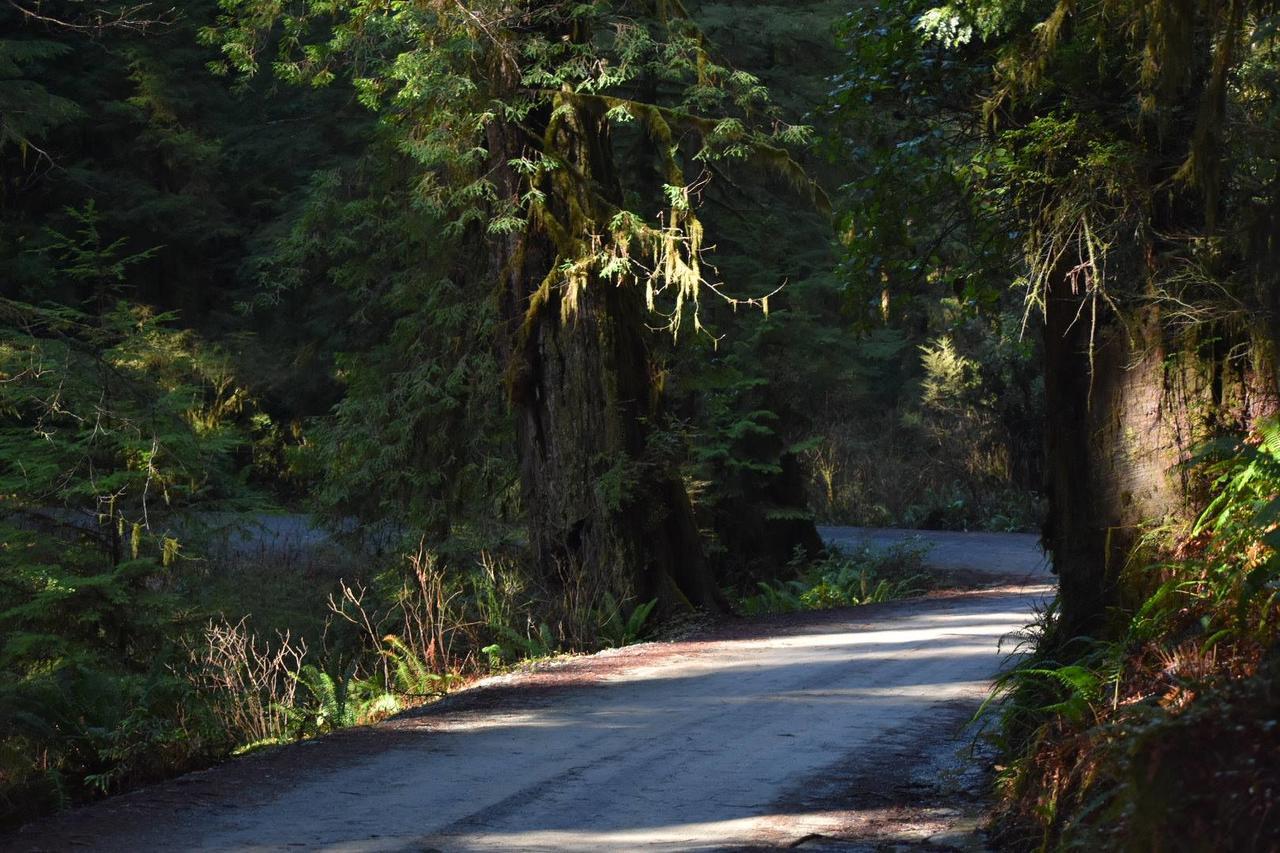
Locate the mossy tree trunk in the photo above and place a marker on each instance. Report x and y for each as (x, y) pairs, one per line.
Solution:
(603, 497)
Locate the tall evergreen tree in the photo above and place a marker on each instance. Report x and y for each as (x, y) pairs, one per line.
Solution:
(1126, 144)
(513, 112)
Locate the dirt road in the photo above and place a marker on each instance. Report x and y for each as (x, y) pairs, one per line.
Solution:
(832, 730)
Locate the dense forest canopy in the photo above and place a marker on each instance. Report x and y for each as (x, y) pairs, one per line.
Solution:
(555, 317)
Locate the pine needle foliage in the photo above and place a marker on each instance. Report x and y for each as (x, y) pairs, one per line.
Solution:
(28, 110)
(446, 75)
(418, 438)
(112, 425)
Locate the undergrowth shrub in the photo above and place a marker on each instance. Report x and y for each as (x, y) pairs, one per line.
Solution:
(251, 684)
(842, 579)
(340, 701)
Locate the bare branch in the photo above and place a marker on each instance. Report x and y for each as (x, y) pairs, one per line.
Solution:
(137, 17)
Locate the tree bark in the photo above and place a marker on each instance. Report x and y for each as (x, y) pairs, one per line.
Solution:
(1110, 451)
(605, 504)
(1123, 411)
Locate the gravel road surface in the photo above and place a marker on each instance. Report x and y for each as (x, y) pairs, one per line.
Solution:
(824, 731)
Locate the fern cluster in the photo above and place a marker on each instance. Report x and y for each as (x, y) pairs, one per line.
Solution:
(863, 576)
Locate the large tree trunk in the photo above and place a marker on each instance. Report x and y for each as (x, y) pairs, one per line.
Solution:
(1112, 448)
(1119, 421)
(605, 503)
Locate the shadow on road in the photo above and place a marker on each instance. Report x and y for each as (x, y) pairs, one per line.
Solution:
(735, 738)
